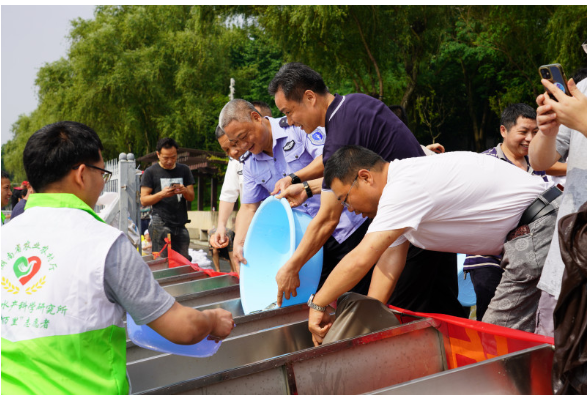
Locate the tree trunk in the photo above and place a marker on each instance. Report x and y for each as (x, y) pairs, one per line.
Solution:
(369, 53)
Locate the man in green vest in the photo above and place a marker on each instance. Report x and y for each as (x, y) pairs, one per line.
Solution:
(68, 278)
(6, 192)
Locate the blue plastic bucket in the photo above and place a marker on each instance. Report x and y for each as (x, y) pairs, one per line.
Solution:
(467, 295)
(274, 234)
(144, 336)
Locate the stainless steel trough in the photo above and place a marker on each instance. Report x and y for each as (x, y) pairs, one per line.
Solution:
(282, 360)
(205, 291)
(245, 324)
(526, 372)
(177, 275)
(156, 265)
(407, 359)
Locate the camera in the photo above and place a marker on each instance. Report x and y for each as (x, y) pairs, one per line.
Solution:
(545, 74)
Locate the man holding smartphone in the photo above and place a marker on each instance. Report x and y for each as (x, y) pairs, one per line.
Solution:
(562, 132)
(167, 186)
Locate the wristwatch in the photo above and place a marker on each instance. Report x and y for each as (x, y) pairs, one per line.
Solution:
(307, 188)
(295, 179)
(312, 305)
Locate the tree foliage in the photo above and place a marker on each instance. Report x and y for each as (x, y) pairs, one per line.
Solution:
(139, 73)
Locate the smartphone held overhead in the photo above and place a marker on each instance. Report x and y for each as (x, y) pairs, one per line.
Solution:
(556, 75)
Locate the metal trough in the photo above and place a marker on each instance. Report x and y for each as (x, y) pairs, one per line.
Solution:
(156, 265)
(526, 372)
(177, 275)
(245, 324)
(283, 360)
(205, 291)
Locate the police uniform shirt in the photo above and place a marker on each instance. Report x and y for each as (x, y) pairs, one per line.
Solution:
(293, 150)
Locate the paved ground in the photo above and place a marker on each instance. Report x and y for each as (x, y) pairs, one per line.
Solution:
(200, 245)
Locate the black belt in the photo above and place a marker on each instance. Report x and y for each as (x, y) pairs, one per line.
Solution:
(540, 206)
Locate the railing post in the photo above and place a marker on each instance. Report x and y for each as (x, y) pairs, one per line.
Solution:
(123, 199)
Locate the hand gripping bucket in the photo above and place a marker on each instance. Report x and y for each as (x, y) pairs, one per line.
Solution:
(274, 234)
(144, 336)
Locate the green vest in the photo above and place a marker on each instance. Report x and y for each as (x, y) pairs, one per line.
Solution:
(60, 333)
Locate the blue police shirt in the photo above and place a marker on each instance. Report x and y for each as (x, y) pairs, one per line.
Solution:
(293, 150)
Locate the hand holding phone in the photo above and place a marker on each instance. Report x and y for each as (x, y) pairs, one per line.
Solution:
(554, 73)
(569, 110)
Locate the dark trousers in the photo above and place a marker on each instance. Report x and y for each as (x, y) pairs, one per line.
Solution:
(180, 238)
(485, 281)
(333, 252)
(428, 283)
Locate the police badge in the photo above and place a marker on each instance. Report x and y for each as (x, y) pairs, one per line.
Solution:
(317, 138)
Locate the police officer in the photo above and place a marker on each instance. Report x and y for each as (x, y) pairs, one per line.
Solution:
(278, 150)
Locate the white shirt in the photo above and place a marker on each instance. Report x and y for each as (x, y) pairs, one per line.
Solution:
(458, 202)
(570, 144)
(233, 183)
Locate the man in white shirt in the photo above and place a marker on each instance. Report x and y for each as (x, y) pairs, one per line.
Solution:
(455, 202)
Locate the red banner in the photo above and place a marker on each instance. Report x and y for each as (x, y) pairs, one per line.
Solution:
(468, 342)
(175, 259)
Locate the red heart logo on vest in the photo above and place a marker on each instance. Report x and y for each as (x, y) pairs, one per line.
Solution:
(35, 263)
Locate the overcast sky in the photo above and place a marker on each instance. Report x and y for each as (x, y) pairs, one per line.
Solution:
(31, 37)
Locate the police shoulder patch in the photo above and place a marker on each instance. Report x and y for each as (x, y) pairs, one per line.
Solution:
(317, 138)
(284, 122)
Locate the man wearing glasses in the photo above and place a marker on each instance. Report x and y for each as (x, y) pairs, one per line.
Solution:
(68, 278)
(167, 186)
(440, 203)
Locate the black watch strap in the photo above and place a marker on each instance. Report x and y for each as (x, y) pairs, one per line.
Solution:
(307, 188)
(295, 179)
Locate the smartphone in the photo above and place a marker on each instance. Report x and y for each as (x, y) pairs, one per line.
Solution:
(555, 74)
(175, 185)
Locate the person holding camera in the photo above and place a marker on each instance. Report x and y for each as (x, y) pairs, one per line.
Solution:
(167, 186)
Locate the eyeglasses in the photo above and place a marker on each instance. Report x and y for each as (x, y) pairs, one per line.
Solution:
(105, 174)
(344, 202)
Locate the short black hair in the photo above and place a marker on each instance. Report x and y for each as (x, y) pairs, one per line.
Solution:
(16, 195)
(579, 75)
(400, 113)
(266, 110)
(294, 79)
(55, 149)
(166, 143)
(5, 175)
(514, 111)
(347, 161)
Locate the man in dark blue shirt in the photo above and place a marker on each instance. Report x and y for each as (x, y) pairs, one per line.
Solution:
(430, 284)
